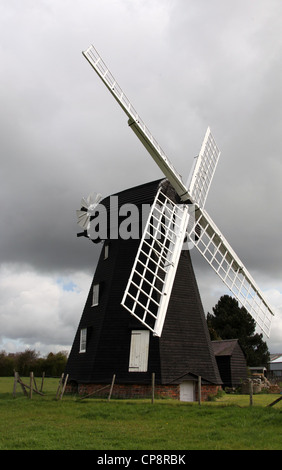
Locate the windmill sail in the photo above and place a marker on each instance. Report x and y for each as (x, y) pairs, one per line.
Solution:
(149, 304)
(150, 283)
(204, 169)
(136, 123)
(221, 257)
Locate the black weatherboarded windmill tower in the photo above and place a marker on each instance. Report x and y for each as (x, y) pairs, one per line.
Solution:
(143, 314)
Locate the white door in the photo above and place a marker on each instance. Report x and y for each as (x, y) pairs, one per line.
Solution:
(139, 350)
(187, 391)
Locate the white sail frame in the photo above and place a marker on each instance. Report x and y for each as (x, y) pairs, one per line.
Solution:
(220, 256)
(135, 122)
(149, 287)
(204, 169)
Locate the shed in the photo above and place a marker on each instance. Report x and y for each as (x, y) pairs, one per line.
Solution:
(231, 362)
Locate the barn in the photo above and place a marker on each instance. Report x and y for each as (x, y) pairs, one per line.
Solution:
(231, 362)
(111, 342)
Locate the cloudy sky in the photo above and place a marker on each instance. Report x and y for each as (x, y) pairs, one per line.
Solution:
(185, 65)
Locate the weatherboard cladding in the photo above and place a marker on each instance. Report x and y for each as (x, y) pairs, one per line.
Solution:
(184, 348)
(138, 196)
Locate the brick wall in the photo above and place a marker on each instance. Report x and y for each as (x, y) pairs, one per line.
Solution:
(138, 391)
(208, 391)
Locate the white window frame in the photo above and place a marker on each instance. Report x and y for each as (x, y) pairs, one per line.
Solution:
(139, 351)
(95, 298)
(83, 340)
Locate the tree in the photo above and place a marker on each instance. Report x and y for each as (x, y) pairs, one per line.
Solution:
(29, 361)
(55, 363)
(26, 361)
(229, 321)
(6, 364)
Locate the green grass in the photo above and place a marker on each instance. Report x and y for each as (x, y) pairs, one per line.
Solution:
(70, 424)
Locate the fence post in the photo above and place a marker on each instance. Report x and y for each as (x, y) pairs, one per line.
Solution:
(153, 387)
(112, 385)
(64, 386)
(199, 389)
(251, 392)
(59, 386)
(15, 383)
(18, 380)
(31, 385)
(43, 375)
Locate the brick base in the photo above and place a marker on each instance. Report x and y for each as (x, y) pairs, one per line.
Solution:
(208, 391)
(138, 391)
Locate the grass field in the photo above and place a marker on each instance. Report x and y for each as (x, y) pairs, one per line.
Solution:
(45, 423)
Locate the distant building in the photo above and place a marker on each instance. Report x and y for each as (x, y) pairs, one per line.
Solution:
(231, 362)
(258, 370)
(275, 366)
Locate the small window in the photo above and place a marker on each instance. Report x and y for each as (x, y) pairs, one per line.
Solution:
(139, 350)
(95, 299)
(83, 338)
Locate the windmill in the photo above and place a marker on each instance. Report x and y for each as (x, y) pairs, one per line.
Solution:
(152, 279)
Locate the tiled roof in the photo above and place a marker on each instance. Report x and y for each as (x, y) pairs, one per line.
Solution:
(224, 347)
